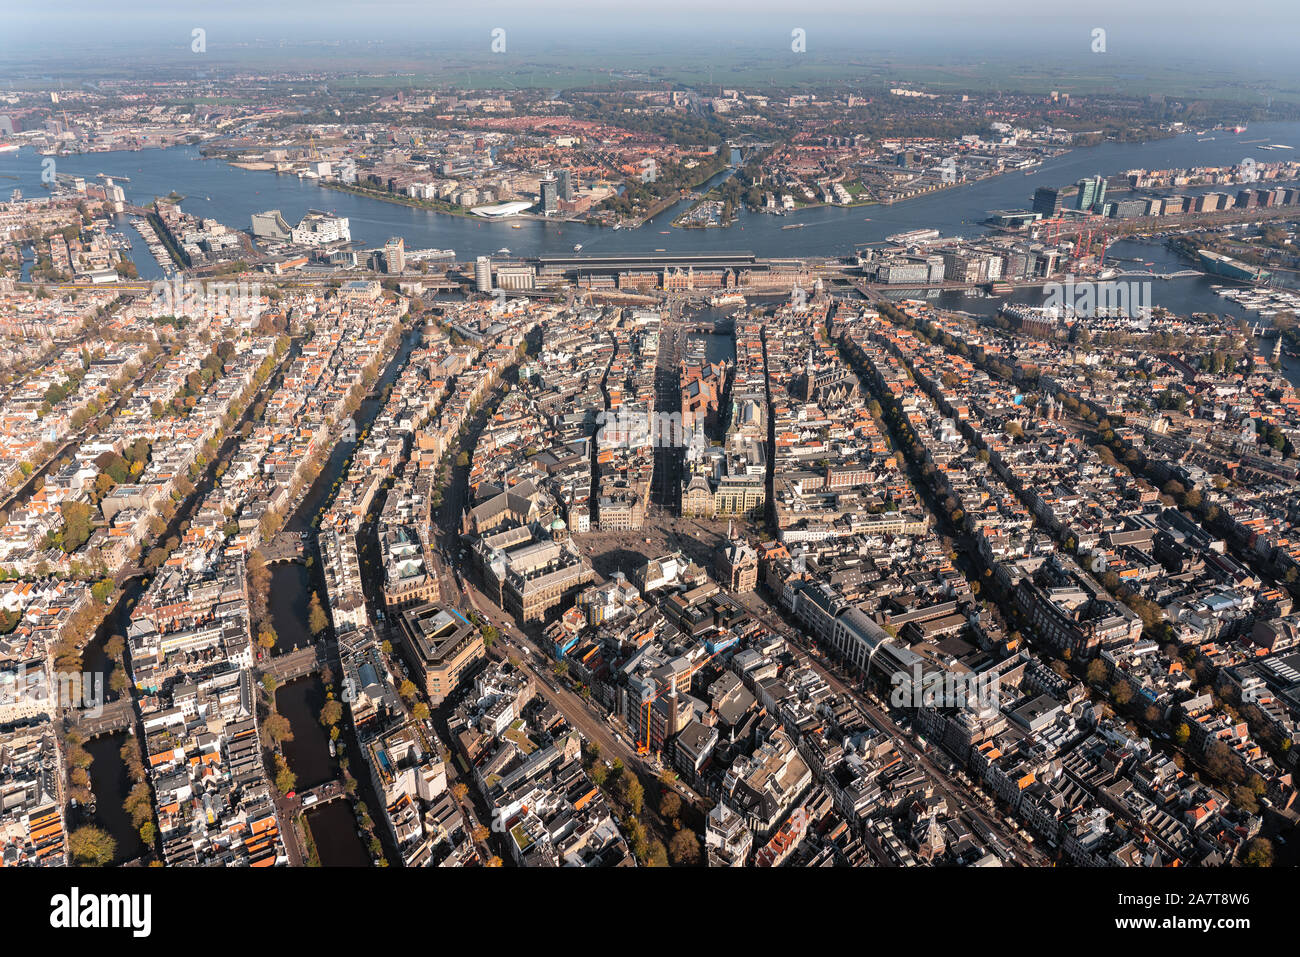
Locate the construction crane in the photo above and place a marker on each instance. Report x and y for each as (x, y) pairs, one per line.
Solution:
(1079, 240)
(643, 746)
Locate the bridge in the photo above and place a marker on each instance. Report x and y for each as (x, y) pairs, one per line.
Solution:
(295, 664)
(115, 716)
(720, 327)
(285, 547)
(321, 794)
(1180, 274)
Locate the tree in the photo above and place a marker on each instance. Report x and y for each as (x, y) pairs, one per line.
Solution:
(91, 846)
(670, 805)
(420, 711)
(76, 525)
(684, 849)
(1220, 761)
(407, 689)
(1181, 734)
(317, 620)
(658, 854)
(1244, 798)
(331, 714)
(1096, 672)
(629, 792)
(277, 729)
(1259, 853)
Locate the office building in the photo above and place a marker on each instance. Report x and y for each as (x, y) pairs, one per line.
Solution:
(439, 644)
(550, 196)
(483, 274)
(395, 255)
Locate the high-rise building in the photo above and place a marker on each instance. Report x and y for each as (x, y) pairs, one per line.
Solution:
(395, 255)
(483, 274)
(1092, 193)
(550, 196)
(1047, 201)
(565, 182)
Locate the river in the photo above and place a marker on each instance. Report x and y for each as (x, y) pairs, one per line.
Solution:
(214, 188)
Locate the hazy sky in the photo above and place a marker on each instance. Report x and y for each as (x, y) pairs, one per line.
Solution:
(1258, 33)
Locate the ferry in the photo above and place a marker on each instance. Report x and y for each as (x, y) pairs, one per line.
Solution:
(8, 147)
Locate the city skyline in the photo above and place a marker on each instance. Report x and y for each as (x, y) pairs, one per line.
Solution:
(699, 436)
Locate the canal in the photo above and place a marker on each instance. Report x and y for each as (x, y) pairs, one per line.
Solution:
(110, 783)
(108, 775)
(333, 826)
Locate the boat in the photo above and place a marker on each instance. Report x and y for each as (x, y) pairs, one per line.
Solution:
(8, 147)
(663, 232)
(516, 226)
(795, 226)
(577, 247)
(503, 251)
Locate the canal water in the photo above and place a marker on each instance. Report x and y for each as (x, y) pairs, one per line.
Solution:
(334, 829)
(308, 753)
(214, 188)
(333, 826)
(110, 784)
(291, 585)
(108, 772)
(319, 494)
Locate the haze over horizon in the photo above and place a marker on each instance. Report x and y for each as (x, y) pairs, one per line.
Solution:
(1195, 35)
